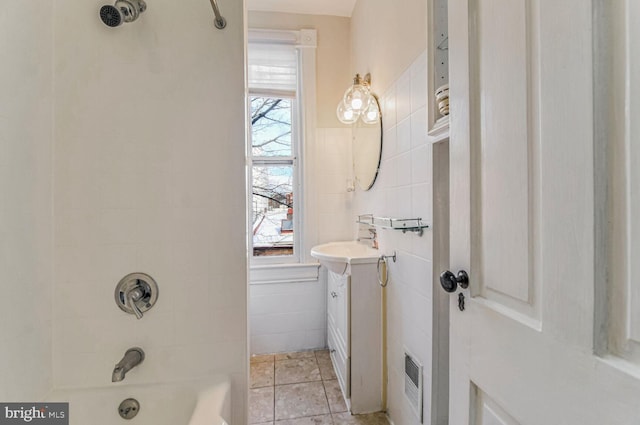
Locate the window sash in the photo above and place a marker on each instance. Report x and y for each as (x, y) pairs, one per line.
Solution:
(271, 204)
(273, 160)
(254, 161)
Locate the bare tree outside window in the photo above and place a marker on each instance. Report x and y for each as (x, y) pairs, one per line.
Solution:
(272, 176)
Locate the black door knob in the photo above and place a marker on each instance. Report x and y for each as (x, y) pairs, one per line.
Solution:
(450, 282)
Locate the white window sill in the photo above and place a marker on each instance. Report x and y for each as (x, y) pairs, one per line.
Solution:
(283, 273)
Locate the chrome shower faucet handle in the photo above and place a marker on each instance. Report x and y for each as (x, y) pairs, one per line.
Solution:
(136, 293)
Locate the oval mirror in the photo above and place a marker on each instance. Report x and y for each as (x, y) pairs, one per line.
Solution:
(367, 150)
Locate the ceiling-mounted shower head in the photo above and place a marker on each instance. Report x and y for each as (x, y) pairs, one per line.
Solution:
(122, 11)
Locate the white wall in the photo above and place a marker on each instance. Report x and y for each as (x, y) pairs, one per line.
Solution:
(386, 37)
(394, 54)
(25, 199)
(149, 133)
(290, 316)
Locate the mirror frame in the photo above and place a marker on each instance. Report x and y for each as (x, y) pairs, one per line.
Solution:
(375, 177)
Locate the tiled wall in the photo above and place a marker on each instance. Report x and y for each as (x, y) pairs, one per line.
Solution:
(25, 199)
(149, 164)
(292, 316)
(288, 317)
(404, 190)
(333, 175)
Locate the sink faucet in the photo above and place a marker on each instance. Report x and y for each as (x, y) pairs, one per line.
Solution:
(132, 358)
(373, 238)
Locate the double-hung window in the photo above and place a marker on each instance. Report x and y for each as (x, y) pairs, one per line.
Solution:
(273, 151)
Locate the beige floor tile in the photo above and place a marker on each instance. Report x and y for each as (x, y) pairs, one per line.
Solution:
(370, 419)
(297, 370)
(326, 368)
(262, 374)
(322, 354)
(300, 400)
(257, 358)
(311, 420)
(261, 405)
(334, 396)
(296, 355)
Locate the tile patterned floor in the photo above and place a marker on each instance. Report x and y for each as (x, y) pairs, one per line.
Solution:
(300, 389)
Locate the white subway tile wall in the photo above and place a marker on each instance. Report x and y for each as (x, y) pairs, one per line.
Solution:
(287, 316)
(333, 165)
(404, 190)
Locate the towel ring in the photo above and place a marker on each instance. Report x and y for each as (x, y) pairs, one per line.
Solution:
(383, 259)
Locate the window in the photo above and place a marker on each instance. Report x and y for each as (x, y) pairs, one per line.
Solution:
(272, 175)
(274, 142)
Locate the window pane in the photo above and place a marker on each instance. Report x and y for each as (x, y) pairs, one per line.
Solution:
(272, 210)
(270, 126)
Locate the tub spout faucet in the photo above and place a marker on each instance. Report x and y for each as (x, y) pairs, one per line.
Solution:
(132, 358)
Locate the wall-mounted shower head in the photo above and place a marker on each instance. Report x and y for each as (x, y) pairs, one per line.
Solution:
(122, 11)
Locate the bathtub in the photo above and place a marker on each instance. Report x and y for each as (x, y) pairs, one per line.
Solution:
(184, 403)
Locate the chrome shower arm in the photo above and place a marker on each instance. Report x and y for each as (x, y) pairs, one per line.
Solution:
(220, 22)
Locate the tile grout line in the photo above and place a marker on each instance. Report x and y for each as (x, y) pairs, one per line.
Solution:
(331, 414)
(274, 390)
(301, 382)
(324, 388)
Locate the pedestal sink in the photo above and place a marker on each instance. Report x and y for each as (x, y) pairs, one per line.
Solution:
(337, 256)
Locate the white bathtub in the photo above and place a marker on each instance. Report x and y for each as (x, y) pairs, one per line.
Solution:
(185, 403)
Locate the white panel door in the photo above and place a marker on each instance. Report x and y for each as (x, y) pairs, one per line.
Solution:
(526, 216)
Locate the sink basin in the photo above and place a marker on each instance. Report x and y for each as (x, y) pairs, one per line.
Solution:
(336, 256)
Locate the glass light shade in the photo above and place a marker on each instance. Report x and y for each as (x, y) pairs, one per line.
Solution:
(346, 114)
(357, 97)
(371, 115)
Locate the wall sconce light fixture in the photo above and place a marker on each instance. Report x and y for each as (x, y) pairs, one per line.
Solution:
(358, 102)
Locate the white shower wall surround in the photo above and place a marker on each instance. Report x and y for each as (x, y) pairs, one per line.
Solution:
(148, 165)
(26, 224)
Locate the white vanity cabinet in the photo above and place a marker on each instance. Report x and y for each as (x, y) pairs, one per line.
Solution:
(354, 321)
(338, 329)
(354, 335)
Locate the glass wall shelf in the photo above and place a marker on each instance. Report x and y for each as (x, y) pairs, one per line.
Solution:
(414, 225)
